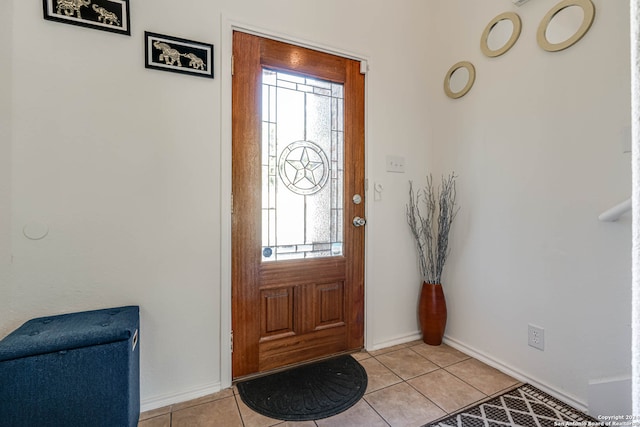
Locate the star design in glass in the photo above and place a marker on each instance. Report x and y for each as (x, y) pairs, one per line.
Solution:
(304, 168)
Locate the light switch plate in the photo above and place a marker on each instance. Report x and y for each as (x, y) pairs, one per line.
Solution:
(395, 164)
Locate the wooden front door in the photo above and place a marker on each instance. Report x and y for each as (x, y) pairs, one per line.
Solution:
(298, 184)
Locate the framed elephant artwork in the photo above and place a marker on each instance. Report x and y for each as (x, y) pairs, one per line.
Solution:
(178, 55)
(106, 15)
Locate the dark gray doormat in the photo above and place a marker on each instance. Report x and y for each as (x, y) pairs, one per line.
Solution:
(523, 406)
(309, 392)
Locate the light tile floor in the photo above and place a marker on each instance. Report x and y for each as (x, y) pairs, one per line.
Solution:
(409, 385)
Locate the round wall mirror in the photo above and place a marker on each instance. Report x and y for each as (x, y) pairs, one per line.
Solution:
(565, 24)
(459, 79)
(500, 34)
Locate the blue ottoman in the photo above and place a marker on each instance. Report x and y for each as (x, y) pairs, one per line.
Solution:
(79, 369)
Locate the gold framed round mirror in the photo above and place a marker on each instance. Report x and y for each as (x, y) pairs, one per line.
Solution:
(500, 34)
(459, 79)
(565, 24)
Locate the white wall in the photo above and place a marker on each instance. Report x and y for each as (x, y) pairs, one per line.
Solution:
(122, 164)
(537, 146)
(6, 27)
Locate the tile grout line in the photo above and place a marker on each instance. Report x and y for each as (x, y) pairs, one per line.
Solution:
(377, 413)
(425, 396)
(440, 368)
(470, 385)
(235, 400)
(454, 375)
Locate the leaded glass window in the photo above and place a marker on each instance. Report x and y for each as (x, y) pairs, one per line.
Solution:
(302, 166)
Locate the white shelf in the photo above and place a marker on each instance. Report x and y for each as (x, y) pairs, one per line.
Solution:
(614, 213)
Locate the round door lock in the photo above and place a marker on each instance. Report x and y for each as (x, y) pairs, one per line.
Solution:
(359, 222)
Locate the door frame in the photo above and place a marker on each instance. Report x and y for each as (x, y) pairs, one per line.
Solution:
(228, 26)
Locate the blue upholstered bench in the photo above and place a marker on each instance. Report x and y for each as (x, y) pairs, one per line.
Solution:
(79, 369)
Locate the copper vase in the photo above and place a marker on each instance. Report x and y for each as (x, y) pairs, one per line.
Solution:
(432, 313)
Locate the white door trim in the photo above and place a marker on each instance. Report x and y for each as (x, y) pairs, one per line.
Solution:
(227, 26)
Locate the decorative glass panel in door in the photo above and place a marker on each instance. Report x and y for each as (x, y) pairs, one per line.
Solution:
(302, 166)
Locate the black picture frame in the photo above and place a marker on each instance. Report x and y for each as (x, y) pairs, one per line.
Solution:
(177, 55)
(105, 15)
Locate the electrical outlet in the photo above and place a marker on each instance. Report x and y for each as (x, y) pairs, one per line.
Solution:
(536, 337)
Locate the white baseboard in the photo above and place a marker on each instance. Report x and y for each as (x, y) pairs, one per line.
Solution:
(173, 398)
(515, 373)
(400, 340)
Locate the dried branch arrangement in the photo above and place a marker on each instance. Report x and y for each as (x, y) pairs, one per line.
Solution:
(430, 226)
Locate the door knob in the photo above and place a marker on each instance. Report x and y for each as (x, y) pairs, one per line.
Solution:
(359, 222)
